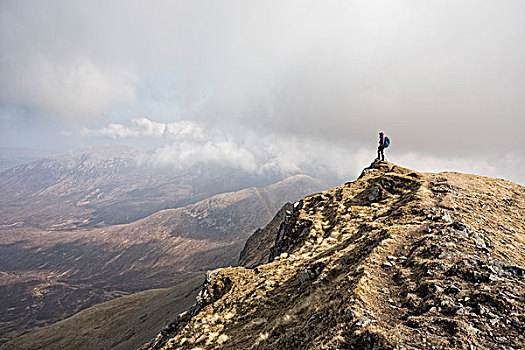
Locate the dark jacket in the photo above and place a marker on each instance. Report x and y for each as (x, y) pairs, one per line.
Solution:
(381, 140)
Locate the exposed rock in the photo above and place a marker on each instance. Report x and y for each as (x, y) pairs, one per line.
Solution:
(210, 275)
(256, 249)
(515, 270)
(311, 272)
(212, 289)
(452, 289)
(459, 226)
(447, 217)
(350, 314)
(374, 194)
(287, 338)
(363, 321)
(388, 185)
(366, 171)
(412, 324)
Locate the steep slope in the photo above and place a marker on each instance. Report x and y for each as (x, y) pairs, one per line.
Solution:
(257, 248)
(395, 260)
(46, 276)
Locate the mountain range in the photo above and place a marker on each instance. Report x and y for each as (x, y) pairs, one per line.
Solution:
(107, 185)
(93, 225)
(397, 259)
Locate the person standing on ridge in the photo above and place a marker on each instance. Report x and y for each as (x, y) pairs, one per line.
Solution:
(384, 142)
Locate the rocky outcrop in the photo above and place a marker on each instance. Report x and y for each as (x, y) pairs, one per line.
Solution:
(395, 260)
(214, 287)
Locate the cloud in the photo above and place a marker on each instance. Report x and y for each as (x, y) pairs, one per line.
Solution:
(294, 86)
(76, 88)
(185, 154)
(144, 127)
(188, 143)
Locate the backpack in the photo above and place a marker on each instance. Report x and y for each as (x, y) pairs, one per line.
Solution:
(386, 142)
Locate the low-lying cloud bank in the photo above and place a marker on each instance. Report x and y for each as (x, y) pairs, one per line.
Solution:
(187, 143)
(143, 127)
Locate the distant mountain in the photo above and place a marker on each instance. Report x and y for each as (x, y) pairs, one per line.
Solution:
(47, 275)
(108, 185)
(13, 156)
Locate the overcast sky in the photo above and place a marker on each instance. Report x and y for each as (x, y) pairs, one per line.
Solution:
(300, 86)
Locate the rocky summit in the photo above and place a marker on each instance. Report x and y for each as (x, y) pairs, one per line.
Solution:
(394, 260)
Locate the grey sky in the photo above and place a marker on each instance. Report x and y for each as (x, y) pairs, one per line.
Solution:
(299, 85)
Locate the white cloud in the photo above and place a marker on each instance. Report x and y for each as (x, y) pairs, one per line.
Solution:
(144, 127)
(224, 152)
(113, 131)
(73, 88)
(149, 127)
(184, 129)
(188, 143)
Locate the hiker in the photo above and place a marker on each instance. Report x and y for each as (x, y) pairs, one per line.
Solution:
(384, 142)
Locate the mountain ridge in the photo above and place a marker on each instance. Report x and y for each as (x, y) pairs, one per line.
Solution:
(107, 185)
(394, 260)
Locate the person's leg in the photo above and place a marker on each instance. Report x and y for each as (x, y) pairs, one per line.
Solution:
(379, 153)
(382, 154)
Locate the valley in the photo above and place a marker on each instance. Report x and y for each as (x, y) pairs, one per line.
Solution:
(50, 271)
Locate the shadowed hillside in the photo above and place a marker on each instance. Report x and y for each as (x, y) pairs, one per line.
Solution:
(122, 323)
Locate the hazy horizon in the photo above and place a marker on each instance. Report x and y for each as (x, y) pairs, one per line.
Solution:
(299, 86)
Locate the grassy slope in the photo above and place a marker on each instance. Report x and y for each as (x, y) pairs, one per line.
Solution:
(446, 285)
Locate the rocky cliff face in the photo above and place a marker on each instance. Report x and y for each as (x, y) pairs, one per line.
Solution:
(394, 260)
